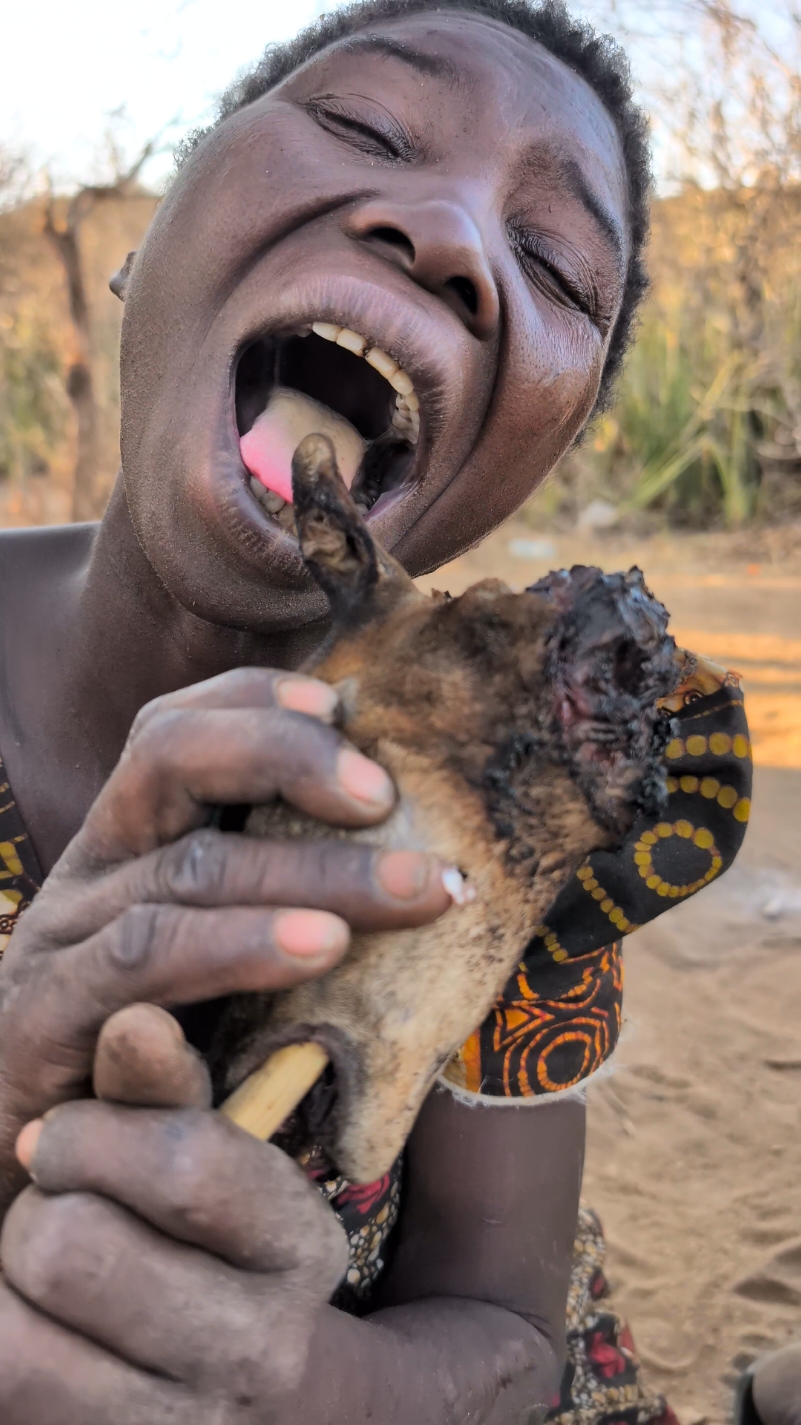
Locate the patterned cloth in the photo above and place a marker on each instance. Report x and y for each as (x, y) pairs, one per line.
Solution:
(559, 1016)
(20, 877)
(602, 1383)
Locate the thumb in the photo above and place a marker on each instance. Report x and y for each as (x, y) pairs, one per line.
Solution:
(142, 1058)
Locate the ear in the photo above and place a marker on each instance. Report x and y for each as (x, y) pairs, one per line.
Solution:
(119, 282)
(339, 552)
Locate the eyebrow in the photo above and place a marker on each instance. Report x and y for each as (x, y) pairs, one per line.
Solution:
(429, 64)
(575, 181)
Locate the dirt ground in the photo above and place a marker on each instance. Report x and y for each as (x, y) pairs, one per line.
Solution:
(694, 1158)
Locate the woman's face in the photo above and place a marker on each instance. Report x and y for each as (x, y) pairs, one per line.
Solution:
(440, 186)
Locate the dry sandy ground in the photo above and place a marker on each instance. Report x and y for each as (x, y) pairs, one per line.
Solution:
(694, 1158)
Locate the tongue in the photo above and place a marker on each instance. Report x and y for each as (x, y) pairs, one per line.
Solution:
(269, 445)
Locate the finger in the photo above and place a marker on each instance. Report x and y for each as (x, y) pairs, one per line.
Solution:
(142, 1058)
(50, 1376)
(371, 889)
(157, 1303)
(250, 687)
(168, 955)
(183, 760)
(197, 1178)
(164, 955)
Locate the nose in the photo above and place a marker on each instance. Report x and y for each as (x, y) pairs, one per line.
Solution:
(440, 246)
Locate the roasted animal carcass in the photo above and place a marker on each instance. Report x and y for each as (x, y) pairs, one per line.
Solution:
(522, 732)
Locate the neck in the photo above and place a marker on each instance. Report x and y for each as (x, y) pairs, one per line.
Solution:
(136, 642)
(108, 638)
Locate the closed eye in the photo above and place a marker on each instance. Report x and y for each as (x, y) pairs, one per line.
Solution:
(379, 137)
(545, 271)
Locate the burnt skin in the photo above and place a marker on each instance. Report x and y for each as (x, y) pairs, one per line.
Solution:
(522, 733)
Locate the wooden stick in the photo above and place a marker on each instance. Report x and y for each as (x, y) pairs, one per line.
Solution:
(268, 1096)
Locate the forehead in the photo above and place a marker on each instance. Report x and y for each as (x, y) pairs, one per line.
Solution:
(508, 86)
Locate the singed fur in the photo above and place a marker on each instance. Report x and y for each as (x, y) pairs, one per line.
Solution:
(506, 764)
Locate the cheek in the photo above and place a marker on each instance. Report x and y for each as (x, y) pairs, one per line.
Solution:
(545, 393)
(234, 195)
(555, 367)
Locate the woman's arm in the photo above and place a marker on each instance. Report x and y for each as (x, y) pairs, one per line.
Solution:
(472, 1312)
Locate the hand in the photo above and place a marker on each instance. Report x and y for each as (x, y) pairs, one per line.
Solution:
(165, 1268)
(147, 903)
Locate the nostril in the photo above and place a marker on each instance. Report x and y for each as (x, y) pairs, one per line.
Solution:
(395, 238)
(465, 290)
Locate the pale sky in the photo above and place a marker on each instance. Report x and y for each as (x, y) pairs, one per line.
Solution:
(67, 65)
(64, 67)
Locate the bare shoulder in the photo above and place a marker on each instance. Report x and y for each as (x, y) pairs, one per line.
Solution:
(38, 573)
(46, 552)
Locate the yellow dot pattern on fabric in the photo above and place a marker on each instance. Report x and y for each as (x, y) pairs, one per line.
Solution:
(696, 745)
(11, 864)
(617, 917)
(644, 860)
(557, 951)
(719, 744)
(709, 787)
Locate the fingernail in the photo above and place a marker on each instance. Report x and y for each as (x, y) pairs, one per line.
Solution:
(307, 695)
(309, 932)
(27, 1141)
(364, 780)
(460, 891)
(403, 874)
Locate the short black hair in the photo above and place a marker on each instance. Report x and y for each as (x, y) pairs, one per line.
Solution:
(597, 58)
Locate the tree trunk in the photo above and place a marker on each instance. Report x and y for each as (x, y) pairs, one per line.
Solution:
(80, 389)
(80, 382)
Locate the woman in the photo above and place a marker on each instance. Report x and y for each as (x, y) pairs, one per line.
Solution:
(461, 191)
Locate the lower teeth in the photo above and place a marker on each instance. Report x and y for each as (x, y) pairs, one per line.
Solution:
(272, 503)
(281, 511)
(286, 519)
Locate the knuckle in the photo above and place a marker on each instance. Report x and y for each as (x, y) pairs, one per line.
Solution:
(280, 1370)
(44, 1246)
(302, 745)
(150, 745)
(195, 868)
(146, 715)
(345, 866)
(131, 938)
(250, 682)
(193, 1160)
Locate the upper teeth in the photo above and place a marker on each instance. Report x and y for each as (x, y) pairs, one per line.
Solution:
(406, 416)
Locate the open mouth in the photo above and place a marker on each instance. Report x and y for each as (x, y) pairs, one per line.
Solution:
(307, 1135)
(327, 380)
